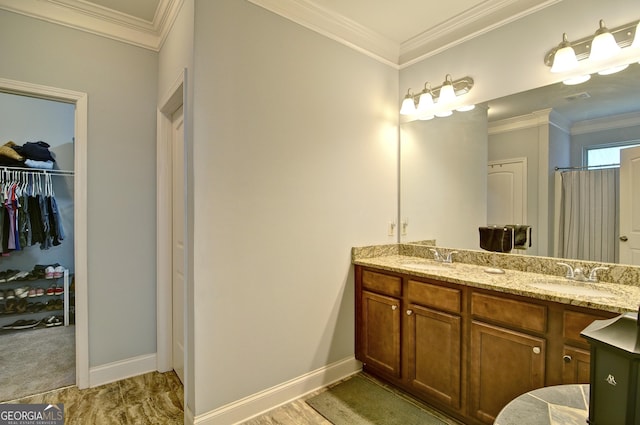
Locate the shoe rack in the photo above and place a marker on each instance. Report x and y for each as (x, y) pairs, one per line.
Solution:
(32, 302)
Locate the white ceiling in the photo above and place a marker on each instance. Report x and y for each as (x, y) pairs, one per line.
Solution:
(397, 32)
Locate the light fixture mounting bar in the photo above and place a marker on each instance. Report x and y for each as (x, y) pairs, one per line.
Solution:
(623, 34)
(460, 86)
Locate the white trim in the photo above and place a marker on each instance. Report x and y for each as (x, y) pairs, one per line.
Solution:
(479, 20)
(263, 401)
(534, 119)
(94, 19)
(169, 103)
(123, 369)
(607, 123)
(80, 209)
(487, 16)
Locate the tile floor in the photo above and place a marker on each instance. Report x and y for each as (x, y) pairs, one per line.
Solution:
(158, 399)
(153, 398)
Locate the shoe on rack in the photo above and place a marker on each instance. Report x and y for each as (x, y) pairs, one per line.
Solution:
(39, 292)
(48, 272)
(9, 294)
(22, 292)
(52, 321)
(22, 324)
(32, 293)
(59, 290)
(51, 290)
(1, 295)
(21, 305)
(10, 306)
(58, 272)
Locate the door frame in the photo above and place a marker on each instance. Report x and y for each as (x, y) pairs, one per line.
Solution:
(174, 98)
(80, 100)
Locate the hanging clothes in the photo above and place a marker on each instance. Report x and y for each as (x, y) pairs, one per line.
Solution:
(29, 213)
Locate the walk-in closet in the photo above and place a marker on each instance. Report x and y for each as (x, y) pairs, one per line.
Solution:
(37, 303)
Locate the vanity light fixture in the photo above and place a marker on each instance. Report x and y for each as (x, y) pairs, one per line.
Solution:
(596, 52)
(565, 57)
(426, 99)
(439, 101)
(408, 104)
(447, 94)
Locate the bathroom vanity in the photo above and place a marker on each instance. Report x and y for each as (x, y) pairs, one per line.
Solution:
(467, 341)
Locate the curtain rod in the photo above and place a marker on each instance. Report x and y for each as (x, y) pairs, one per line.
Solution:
(38, 171)
(587, 167)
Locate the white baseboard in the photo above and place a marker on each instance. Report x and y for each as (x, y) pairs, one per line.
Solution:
(123, 369)
(256, 404)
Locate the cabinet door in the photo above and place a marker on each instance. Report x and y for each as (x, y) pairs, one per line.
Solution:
(576, 366)
(433, 350)
(504, 364)
(381, 333)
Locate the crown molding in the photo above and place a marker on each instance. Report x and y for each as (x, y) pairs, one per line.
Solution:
(336, 27)
(534, 119)
(89, 17)
(631, 119)
(483, 18)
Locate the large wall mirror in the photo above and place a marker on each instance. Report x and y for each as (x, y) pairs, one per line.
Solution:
(537, 130)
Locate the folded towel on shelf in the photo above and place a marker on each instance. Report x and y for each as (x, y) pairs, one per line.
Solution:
(521, 235)
(496, 239)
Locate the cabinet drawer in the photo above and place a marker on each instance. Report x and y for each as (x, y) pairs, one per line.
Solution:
(519, 314)
(436, 296)
(382, 283)
(574, 322)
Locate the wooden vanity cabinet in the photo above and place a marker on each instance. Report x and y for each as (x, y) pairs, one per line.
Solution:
(378, 322)
(575, 351)
(507, 352)
(464, 350)
(433, 342)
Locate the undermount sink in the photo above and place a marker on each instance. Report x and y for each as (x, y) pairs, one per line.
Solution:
(426, 267)
(572, 289)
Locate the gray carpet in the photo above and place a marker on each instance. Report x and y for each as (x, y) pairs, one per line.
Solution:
(33, 361)
(359, 401)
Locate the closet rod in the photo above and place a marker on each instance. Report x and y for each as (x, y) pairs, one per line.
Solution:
(587, 167)
(38, 170)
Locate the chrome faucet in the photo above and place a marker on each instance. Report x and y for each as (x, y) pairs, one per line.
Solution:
(593, 276)
(442, 257)
(579, 273)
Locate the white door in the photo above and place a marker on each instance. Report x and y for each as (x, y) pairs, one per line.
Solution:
(507, 192)
(178, 284)
(630, 206)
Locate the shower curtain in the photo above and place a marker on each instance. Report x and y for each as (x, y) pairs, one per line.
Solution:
(589, 219)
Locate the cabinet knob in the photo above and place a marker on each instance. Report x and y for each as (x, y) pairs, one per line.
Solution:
(409, 312)
(567, 358)
(393, 307)
(536, 350)
(624, 238)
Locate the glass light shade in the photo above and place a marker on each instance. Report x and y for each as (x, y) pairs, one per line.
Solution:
(564, 60)
(466, 108)
(613, 70)
(425, 102)
(636, 38)
(604, 44)
(442, 114)
(447, 94)
(408, 106)
(577, 80)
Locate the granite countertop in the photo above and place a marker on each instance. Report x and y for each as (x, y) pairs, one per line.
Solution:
(612, 297)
